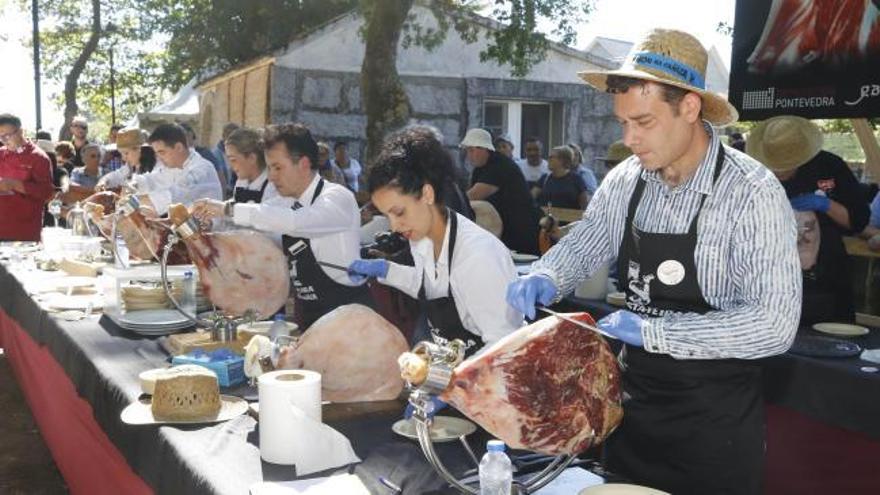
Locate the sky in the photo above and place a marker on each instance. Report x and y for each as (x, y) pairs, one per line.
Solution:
(620, 19)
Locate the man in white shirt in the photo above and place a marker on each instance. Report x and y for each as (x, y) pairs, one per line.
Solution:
(320, 228)
(533, 166)
(183, 175)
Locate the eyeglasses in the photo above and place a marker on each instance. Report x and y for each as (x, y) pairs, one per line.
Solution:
(5, 137)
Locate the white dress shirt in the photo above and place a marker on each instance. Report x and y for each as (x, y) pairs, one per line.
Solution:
(746, 253)
(196, 179)
(533, 174)
(257, 184)
(332, 224)
(481, 271)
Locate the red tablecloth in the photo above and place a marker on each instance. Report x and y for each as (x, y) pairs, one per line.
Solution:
(87, 459)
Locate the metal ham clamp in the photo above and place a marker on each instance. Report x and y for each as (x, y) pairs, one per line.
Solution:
(242, 272)
(549, 387)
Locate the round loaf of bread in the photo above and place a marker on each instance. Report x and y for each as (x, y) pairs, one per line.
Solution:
(186, 394)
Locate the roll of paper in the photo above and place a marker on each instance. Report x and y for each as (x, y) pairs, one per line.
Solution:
(290, 407)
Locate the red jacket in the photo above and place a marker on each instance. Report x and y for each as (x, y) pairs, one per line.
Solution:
(21, 215)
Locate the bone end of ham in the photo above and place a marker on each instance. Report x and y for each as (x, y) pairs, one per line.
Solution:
(413, 368)
(355, 350)
(178, 214)
(550, 387)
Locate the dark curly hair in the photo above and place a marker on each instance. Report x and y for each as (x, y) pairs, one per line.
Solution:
(409, 159)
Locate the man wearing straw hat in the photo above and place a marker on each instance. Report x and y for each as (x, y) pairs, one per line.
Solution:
(706, 247)
(826, 198)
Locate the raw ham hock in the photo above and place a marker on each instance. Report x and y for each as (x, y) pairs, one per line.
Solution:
(355, 350)
(145, 235)
(550, 387)
(240, 270)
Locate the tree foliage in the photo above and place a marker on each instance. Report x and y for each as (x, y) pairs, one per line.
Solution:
(75, 47)
(513, 39)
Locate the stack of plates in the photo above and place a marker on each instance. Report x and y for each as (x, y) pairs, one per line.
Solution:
(152, 322)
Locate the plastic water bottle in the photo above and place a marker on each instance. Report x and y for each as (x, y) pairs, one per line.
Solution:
(496, 472)
(188, 294)
(122, 256)
(278, 328)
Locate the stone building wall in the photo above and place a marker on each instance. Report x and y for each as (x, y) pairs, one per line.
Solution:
(330, 104)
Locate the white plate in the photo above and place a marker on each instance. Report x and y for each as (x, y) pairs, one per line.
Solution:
(140, 413)
(262, 327)
(444, 429)
(841, 329)
(152, 318)
(65, 283)
(523, 257)
(76, 301)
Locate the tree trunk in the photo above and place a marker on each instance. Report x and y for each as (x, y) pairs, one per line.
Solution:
(71, 82)
(385, 101)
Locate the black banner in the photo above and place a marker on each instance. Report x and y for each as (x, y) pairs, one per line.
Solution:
(813, 58)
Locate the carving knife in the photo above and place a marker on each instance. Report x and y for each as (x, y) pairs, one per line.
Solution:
(576, 322)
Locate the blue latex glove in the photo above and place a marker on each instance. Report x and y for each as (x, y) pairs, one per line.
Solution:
(435, 405)
(525, 292)
(360, 270)
(625, 325)
(811, 202)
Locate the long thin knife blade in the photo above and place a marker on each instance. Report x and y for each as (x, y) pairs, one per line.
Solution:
(331, 265)
(576, 322)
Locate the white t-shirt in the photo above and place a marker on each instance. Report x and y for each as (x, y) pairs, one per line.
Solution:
(533, 174)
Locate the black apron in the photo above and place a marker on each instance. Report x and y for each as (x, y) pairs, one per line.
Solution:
(443, 319)
(689, 426)
(245, 195)
(316, 293)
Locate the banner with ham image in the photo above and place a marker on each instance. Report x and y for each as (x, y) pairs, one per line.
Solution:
(812, 58)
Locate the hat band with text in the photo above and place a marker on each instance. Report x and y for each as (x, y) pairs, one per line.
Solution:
(680, 71)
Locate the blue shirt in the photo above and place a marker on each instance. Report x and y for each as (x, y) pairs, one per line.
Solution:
(561, 192)
(589, 178)
(875, 212)
(81, 178)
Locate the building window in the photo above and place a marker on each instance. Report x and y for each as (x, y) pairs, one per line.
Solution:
(521, 120)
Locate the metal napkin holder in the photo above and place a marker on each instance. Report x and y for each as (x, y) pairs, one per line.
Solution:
(442, 357)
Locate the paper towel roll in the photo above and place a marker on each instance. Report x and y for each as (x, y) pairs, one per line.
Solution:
(286, 397)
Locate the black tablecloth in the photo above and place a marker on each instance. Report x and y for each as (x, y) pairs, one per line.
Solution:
(103, 362)
(835, 391)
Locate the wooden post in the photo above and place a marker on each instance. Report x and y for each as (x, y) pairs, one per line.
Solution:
(871, 148)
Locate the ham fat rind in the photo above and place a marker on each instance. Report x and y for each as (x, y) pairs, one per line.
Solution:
(550, 387)
(355, 350)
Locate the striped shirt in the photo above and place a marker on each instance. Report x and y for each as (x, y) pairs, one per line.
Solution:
(746, 254)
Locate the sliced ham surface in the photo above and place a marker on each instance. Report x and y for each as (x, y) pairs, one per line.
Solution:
(550, 387)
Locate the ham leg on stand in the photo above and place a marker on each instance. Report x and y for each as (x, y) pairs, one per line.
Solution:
(240, 270)
(550, 387)
(144, 234)
(355, 349)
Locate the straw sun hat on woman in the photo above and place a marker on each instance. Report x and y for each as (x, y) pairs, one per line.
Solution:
(784, 143)
(670, 57)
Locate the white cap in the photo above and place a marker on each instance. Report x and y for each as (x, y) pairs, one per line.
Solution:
(495, 446)
(478, 138)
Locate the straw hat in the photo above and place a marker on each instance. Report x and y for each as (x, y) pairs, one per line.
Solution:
(670, 57)
(129, 137)
(785, 142)
(478, 138)
(487, 216)
(617, 152)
